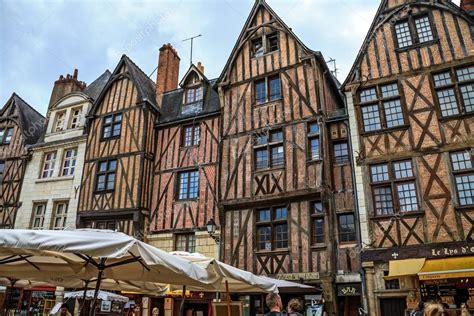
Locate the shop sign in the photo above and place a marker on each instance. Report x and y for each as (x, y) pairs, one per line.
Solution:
(452, 251)
(106, 306)
(309, 276)
(348, 290)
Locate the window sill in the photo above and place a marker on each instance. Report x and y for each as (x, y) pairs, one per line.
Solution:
(347, 244)
(186, 200)
(103, 192)
(314, 161)
(459, 116)
(54, 179)
(280, 250)
(398, 215)
(319, 246)
(385, 130)
(270, 169)
(269, 102)
(417, 45)
(109, 138)
(458, 207)
(265, 54)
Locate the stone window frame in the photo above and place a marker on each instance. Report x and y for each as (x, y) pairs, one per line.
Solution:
(48, 165)
(62, 217)
(36, 216)
(70, 169)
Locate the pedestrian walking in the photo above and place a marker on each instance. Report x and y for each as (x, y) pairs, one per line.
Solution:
(274, 303)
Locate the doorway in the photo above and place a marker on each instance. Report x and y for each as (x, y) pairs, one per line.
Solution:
(393, 306)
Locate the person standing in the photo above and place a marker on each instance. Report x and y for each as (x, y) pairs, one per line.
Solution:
(295, 307)
(274, 303)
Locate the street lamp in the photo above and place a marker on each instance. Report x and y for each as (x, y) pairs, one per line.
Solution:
(211, 230)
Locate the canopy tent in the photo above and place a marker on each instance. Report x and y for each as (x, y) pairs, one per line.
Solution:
(102, 295)
(237, 280)
(58, 256)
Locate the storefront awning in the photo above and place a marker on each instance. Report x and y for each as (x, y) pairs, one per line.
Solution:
(406, 267)
(447, 268)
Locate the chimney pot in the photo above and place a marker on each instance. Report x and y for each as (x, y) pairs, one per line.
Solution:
(76, 73)
(65, 85)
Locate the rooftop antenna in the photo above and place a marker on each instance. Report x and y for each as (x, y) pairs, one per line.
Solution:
(191, 39)
(333, 61)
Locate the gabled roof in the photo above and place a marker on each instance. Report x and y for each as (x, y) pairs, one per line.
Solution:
(31, 121)
(172, 103)
(383, 15)
(195, 69)
(145, 86)
(95, 88)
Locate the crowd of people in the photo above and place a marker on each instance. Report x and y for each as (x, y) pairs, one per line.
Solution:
(436, 309)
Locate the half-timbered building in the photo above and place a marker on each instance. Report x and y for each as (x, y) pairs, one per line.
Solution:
(285, 176)
(186, 163)
(409, 96)
(49, 197)
(116, 181)
(20, 126)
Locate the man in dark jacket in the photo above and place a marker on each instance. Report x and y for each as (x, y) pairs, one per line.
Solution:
(273, 301)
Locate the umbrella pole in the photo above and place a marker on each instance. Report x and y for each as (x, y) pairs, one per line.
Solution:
(84, 297)
(97, 285)
(229, 310)
(181, 308)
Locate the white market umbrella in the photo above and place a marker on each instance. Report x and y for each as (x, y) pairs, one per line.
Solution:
(291, 287)
(57, 256)
(102, 295)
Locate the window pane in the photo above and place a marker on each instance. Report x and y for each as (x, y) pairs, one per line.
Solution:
(261, 158)
(275, 91)
(318, 231)
(403, 169)
(194, 185)
(346, 228)
(107, 132)
(276, 136)
(281, 213)
(368, 95)
(117, 118)
(110, 181)
(468, 97)
(407, 197)
(393, 113)
(108, 119)
(371, 118)
(403, 34)
(447, 102)
(260, 92)
(100, 183)
(183, 185)
(313, 128)
(442, 79)
(257, 47)
(383, 200)
(379, 173)
(188, 134)
(263, 215)
(9, 135)
(316, 208)
(277, 156)
(197, 135)
(261, 139)
(264, 238)
(272, 42)
(465, 188)
(190, 96)
(461, 160)
(314, 148)
(465, 73)
(281, 236)
(117, 127)
(341, 153)
(423, 29)
(390, 90)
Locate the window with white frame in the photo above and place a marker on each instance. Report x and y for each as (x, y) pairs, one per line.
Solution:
(69, 162)
(60, 215)
(463, 172)
(76, 115)
(414, 30)
(59, 121)
(37, 219)
(49, 161)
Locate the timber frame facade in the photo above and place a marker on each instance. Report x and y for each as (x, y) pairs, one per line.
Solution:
(20, 126)
(117, 175)
(281, 197)
(408, 98)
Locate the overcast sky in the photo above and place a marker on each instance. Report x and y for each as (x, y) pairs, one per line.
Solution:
(40, 40)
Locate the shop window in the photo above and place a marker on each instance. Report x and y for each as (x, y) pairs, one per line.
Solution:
(381, 107)
(268, 149)
(188, 187)
(393, 187)
(185, 242)
(37, 220)
(106, 171)
(49, 161)
(111, 126)
(313, 141)
(455, 91)
(69, 162)
(341, 152)
(347, 230)
(414, 30)
(272, 228)
(463, 172)
(60, 215)
(267, 89)
(6, 135)
(192, 135)
(317, 219)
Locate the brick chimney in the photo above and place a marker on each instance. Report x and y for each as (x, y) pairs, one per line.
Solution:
(65, 85)
(168, 70)
(468, 5)
(200, 66)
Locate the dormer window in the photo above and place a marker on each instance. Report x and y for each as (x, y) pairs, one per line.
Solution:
(193, 94)
(59, 122)
(265, 44)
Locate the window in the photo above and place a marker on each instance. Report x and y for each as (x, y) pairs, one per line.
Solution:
(455, 91)
(185, 242)
(268, 89)
(381, 107)
(106, 171)
(265, 44)
(188, 185)
(391, 284)
(317, 218)
(341, 152)
(2, 170)
(69, 162)
(347, 232)
(193, 94)
(313, 141)
(192, 135)
(37, 220)
(6, 135)
(48, 164)
(414, 31)
(393, 187)
(60, 215)
(463, 172)
(268, 149)
(272, 228)
(111, 126)
(59, 121)
(75, 118)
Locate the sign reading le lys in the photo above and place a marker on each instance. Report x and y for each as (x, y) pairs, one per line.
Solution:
(298, 276)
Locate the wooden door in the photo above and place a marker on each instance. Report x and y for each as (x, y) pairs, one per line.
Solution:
(393, 306)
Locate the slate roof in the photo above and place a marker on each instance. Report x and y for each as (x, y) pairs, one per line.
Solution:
(95, 88)
(31, 121)
(172, 103)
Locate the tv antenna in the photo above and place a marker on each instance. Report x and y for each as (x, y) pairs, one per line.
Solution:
(333, 61)
(191, 39)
